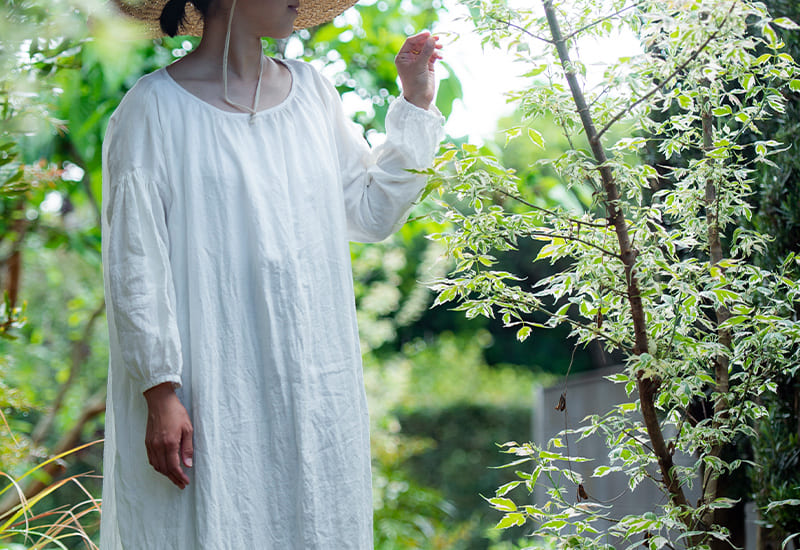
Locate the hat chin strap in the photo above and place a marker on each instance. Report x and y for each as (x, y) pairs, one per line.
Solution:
(254, 109)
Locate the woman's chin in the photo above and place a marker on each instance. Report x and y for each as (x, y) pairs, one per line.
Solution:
(279, 35)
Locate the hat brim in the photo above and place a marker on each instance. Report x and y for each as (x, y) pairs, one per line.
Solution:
(311, 13)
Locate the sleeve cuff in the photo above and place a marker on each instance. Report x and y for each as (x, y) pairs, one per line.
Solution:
(155, 381)
(432, 110)
(418, 130)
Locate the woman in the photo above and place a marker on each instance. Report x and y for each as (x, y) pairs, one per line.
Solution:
(236, 413)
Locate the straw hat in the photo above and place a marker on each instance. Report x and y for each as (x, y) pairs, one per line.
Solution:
(312, 12)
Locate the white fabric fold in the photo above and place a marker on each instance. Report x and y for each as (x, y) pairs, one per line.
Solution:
(142, 311)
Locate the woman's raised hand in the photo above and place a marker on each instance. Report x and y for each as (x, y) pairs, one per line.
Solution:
(415, 68)
(169, 434)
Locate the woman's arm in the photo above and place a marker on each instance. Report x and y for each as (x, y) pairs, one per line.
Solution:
(378, 185)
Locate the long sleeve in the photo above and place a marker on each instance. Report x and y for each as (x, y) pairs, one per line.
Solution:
(378, 189)
(141, 295)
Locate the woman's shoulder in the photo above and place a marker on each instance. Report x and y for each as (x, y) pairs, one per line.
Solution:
(134, 136)
(143, 99)
(301, 69)
(311, 80)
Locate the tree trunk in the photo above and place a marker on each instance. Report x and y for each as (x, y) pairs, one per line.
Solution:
(647, 386)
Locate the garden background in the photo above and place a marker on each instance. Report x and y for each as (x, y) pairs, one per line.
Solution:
(444, 390)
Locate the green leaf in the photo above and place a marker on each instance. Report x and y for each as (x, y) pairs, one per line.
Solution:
(503, 504)
(501, 491)
(722, 111)
(771, 36)
(449, 91)
(779, 503)
(601, 471)
(550, 456)
(617, 378)
(510, 520)
(724, 503)
(536, 137)
(786, 23)
(446, 295)
(761, 59)
(724, 294)
(657, 542)
(630, 144)
(554, 524)
(735, 320)
(534, 476)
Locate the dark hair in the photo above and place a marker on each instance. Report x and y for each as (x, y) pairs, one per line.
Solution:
(174, 14)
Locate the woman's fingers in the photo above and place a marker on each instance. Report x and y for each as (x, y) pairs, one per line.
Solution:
(173, 462)
(187, 447)
(420, 45)
(164, 457)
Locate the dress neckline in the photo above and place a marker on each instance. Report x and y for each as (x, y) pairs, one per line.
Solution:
(238, 114)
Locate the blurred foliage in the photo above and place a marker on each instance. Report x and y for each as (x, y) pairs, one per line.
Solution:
(777, 454)
(777, 449)
(778, 185)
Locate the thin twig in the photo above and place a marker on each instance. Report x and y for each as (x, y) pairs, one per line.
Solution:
(521, 29)
(571, 238)
(553, 213)
(598, 21)
(639, 441)
(575, 324)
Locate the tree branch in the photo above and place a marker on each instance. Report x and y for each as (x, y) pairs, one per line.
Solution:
(553, 213)
(672, 75)
(13, 265)
(571, 238)
(80, 352)
(521, 29)
(512, 304)
(721, 360)
(574, 33)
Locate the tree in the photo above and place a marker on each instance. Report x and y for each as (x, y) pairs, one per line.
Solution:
(65, 66)
(659, 269)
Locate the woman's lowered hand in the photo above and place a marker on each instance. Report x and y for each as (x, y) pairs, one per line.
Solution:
(168, 438)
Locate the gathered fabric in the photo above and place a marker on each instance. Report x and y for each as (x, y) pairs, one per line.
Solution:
(227, 272)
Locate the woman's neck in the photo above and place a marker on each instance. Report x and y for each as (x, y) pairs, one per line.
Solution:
(245, 49)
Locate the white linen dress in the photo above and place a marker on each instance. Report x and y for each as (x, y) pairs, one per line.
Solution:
(227, 271)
